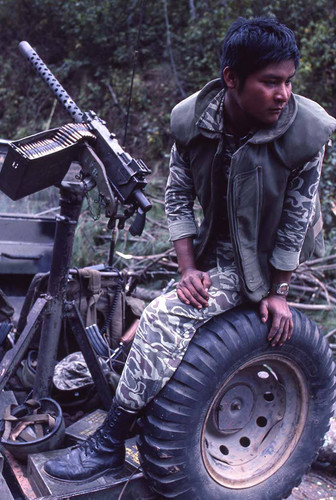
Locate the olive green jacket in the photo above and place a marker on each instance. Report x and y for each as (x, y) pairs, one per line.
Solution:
(258, 179)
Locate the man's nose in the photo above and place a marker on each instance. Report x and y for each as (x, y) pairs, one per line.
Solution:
(282, 92)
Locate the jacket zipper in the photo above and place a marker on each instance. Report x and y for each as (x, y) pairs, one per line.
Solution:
(233, 225)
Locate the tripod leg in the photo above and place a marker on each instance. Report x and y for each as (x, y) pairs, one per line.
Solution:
(13, 357)
(70, 202)
(97, 373)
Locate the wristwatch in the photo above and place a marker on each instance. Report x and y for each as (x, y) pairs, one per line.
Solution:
(280, 289)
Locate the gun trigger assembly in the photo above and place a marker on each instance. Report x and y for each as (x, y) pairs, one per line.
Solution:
(138, 224)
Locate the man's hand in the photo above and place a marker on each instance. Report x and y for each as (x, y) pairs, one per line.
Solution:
(193, 288)
(194, 285)
(282, 323)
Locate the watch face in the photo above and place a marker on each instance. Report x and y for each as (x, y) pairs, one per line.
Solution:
(283, 288)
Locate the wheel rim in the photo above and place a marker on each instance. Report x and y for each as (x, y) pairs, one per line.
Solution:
(255, 421)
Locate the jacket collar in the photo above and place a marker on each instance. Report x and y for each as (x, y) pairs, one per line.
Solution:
(211, 119)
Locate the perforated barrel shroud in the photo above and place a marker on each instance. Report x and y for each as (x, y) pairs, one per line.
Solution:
(41, 160)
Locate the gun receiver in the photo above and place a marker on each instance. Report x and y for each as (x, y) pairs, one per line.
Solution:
(104, 162)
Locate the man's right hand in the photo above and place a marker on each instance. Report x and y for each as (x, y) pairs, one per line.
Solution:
(194, 284)
(193, 288)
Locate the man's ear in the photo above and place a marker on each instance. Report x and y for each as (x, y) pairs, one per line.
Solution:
(230, 78)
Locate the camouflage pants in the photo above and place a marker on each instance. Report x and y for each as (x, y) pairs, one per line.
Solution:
(165, 330)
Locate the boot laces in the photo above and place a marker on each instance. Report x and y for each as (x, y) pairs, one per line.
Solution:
(92, 443)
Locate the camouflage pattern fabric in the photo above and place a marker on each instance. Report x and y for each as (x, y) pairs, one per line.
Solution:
(212, 119)
(72, 372)
(165, 330)
(299, 204)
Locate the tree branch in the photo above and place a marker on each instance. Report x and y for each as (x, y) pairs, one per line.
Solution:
(170, 51)
(115, 99)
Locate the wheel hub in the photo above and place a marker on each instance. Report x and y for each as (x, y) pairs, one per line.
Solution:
(255, 421)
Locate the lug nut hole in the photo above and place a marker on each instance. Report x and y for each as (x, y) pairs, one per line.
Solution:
(224, 450)
(268, 396)
(261, 421)
(245, 442)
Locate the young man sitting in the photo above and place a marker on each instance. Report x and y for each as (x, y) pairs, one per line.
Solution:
(251, 152)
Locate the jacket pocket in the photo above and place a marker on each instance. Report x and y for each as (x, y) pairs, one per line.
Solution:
(247, 199)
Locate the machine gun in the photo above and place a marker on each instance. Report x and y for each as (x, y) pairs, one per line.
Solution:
(42, 160)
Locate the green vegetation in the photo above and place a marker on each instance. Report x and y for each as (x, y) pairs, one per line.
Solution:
(91, 47)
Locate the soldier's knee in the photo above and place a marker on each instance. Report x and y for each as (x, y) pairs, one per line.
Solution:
(158, 308)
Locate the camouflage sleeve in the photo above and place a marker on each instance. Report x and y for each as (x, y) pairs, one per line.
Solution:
(179, 198)
(297, 214)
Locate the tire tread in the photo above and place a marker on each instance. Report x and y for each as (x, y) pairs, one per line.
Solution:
(226, 338)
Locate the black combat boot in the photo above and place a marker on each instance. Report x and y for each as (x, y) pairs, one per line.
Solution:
(102, 452)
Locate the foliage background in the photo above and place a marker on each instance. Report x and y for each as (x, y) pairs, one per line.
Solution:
(91, 47)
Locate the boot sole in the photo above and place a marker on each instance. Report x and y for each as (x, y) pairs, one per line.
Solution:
(87, 480)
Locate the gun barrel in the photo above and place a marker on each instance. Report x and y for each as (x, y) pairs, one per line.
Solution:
(62, 96)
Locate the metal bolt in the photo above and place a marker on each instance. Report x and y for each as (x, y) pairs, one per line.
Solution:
(235, 406)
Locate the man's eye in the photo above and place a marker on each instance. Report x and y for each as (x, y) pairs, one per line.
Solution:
(270, 82)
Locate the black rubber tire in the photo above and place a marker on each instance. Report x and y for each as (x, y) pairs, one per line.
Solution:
(170, 432)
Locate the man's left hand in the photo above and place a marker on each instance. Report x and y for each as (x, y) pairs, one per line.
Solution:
(282, 323)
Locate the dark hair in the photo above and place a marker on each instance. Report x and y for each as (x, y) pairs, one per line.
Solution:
(252, 44)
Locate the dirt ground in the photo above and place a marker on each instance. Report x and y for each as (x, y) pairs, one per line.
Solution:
(316, 486)
(320, 483)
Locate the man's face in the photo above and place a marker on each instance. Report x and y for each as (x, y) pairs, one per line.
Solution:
(265, 93)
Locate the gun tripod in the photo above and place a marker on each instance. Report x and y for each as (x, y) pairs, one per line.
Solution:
(50, 309)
